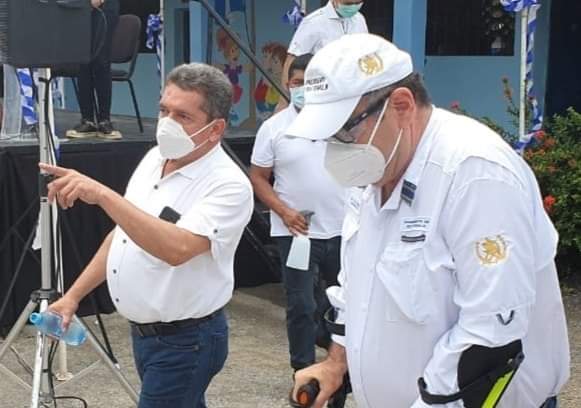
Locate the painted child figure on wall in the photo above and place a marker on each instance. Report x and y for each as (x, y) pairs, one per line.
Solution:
(265, 95)
(232, 68)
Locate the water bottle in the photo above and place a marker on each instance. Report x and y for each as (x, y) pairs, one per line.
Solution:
(299, 253)
(300, 249)
(51, 324)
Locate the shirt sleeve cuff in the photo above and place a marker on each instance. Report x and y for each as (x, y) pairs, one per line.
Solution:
(262, 163)
(420, 404)
(340, 340)
(200, 226)
(294, 50)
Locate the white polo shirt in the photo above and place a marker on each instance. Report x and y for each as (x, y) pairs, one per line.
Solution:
(215, 200)
(300, 179)
(461, 254)
(323, 26)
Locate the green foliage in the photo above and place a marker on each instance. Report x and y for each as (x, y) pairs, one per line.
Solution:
(556, 160)
(555, 157)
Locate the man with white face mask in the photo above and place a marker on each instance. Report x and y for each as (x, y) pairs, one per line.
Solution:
(169, 261)
(449, 294)
(300, 184)
(319, 28)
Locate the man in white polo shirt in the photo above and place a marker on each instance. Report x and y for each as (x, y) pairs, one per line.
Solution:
(337, 18)
(169, 261)
(448, 279)
(300, 184)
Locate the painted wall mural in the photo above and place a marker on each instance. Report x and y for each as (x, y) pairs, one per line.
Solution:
(255, 98)
(266, 96)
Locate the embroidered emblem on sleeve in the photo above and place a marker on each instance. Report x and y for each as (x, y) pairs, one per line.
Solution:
(492, 250)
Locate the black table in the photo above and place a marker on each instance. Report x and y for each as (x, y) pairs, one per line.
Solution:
(83, 227)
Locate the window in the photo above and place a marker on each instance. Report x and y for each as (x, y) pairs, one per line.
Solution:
(379, 17)
(469, 27)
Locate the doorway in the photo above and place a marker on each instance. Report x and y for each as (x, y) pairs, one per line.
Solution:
(564, 65)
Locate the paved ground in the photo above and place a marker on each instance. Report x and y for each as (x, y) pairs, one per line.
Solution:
(257, 373)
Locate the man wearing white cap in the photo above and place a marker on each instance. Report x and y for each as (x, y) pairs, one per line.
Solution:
(449, 293)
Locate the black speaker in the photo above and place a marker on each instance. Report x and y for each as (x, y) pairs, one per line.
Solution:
(44, 33)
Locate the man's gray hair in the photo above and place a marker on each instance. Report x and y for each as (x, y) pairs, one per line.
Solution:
(210, 82)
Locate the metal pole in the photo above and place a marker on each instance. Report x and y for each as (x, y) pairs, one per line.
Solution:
(41, 379)
(523, 74)
(162, 40)
(244, 48)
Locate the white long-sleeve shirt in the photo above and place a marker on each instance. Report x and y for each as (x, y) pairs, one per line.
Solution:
(461, 254)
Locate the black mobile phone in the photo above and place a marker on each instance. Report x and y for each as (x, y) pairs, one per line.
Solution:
(170, 215)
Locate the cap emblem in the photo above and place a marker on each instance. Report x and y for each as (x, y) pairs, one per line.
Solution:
(371, 64)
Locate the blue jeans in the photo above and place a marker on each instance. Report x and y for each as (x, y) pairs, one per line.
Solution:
(306, 297)
(175, 370)
(551, 403)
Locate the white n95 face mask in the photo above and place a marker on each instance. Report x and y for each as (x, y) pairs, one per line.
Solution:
(357, 165)
(173, 141)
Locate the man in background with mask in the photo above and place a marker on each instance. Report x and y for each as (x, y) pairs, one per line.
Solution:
(448, 279)
(300, 184)
(329, 23)
(169, 261)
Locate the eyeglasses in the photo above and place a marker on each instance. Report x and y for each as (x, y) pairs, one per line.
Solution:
(344, 134)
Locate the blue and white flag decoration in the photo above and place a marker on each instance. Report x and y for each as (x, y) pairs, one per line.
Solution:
(533, 6)
(295, 15)
(154, 33)
(27, 92)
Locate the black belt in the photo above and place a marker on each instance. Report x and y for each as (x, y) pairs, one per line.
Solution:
(169, 328)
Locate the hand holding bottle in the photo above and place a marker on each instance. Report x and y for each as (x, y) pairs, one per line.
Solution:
(51, 324)
(66, 307)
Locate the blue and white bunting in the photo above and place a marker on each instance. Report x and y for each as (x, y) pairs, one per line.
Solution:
(295, 15)
(533, 6)
(27, 92)
(154, 34)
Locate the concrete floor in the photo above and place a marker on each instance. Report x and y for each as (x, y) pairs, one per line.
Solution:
(257, 372)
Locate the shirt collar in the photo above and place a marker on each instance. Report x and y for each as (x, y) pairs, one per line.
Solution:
(406, 188)
(191, 170)
(330, 12)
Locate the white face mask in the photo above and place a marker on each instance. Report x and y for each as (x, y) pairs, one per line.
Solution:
(173, 141)
(357, 165)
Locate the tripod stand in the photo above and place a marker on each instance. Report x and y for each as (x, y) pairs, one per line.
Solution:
(42, 392)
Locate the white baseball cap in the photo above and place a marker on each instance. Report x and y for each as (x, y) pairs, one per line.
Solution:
(339, 75)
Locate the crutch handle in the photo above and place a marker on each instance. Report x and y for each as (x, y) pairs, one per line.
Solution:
(306, 395)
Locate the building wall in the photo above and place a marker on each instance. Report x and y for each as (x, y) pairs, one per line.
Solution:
(268, 29)
(476, 82)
